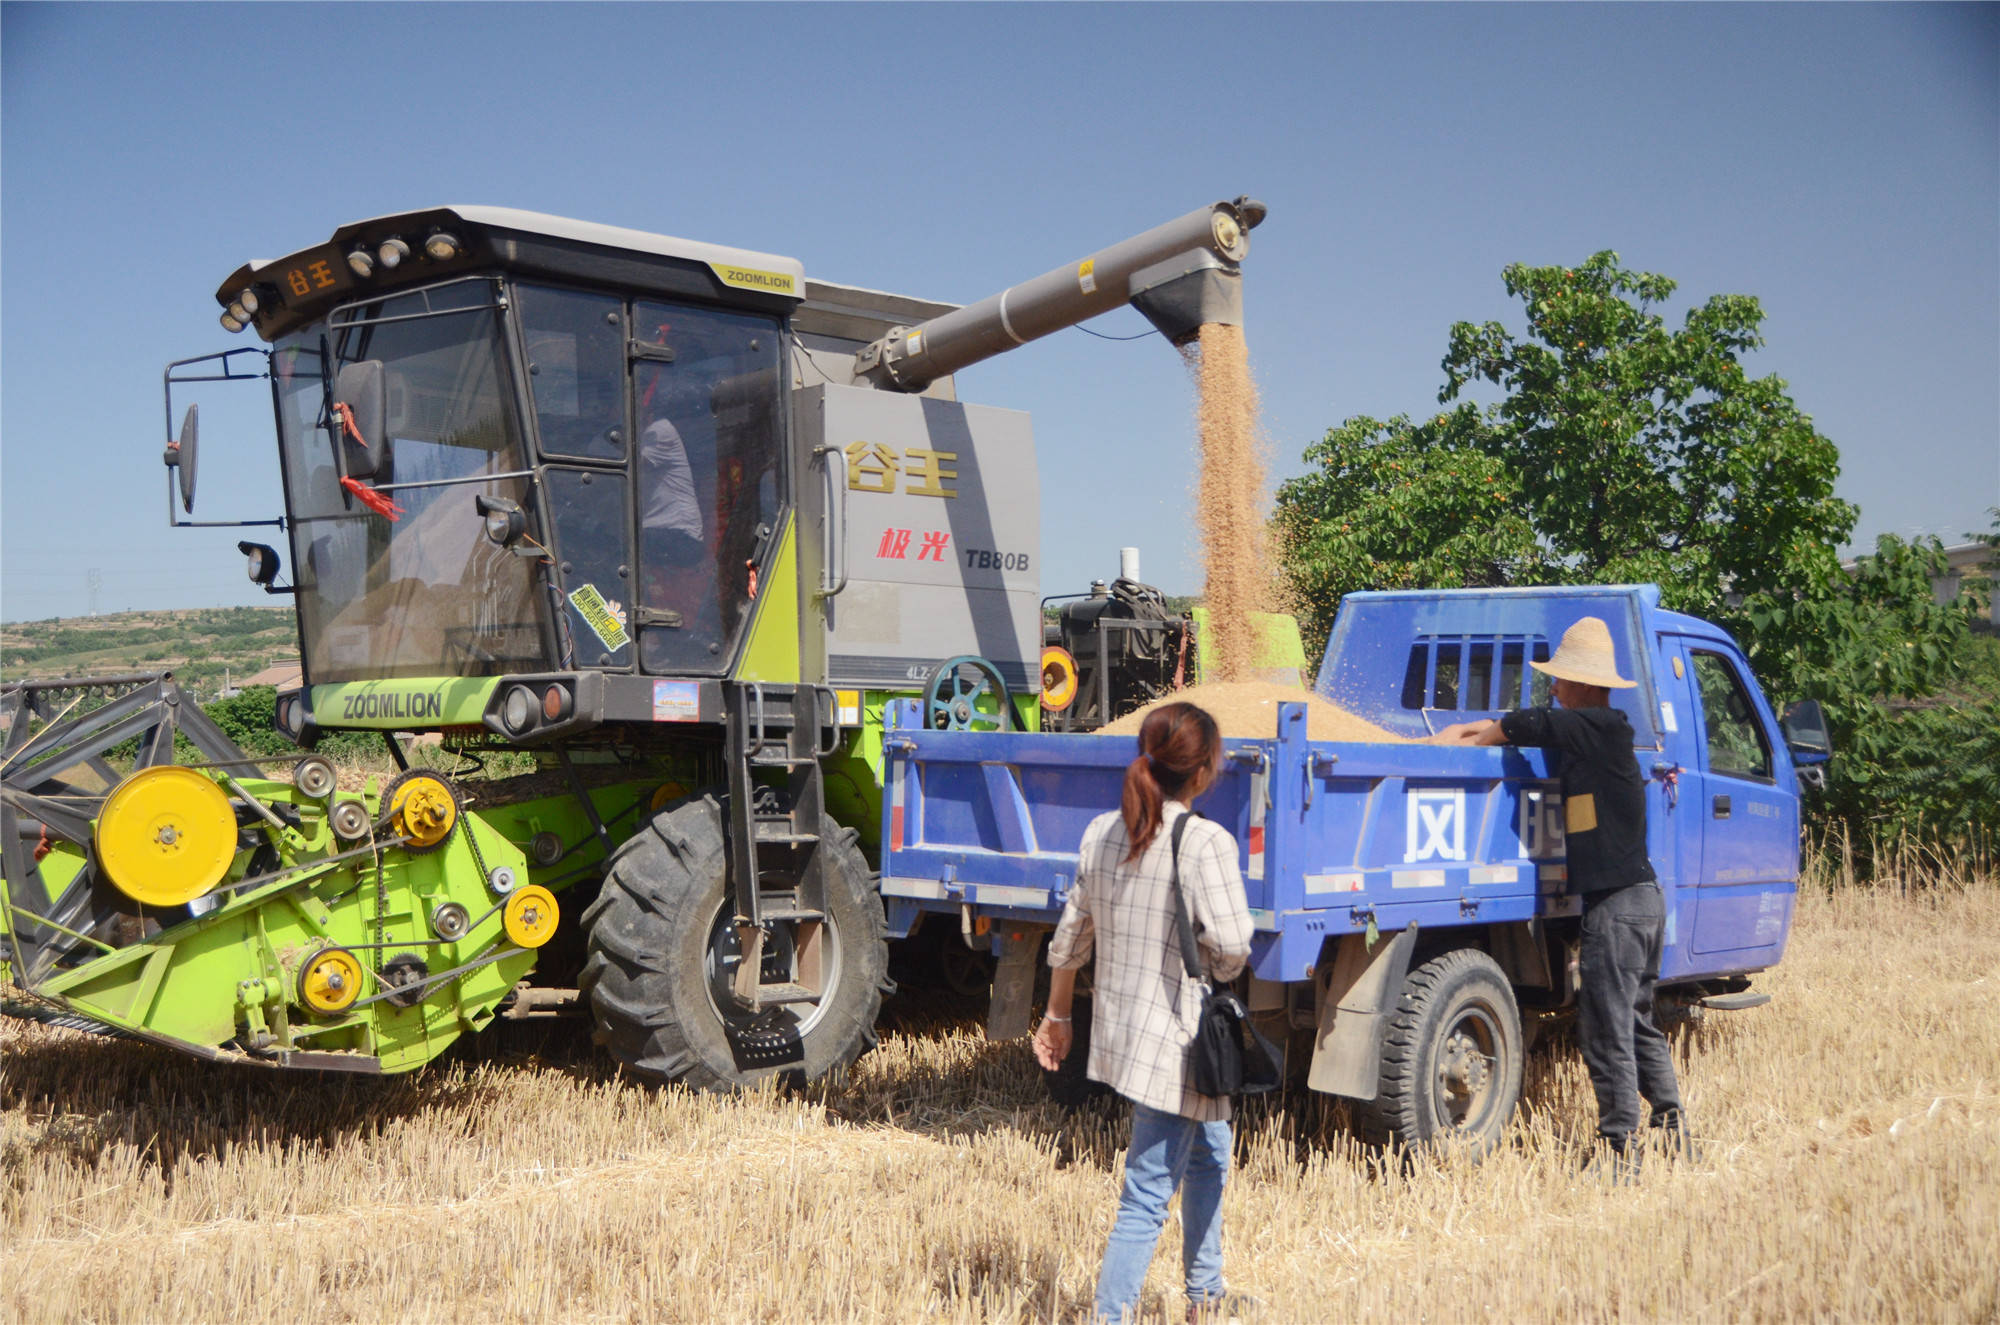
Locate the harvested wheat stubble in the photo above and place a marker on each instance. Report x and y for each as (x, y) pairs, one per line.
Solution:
(1249, 709)
(1850, 1157)
(1229, 501)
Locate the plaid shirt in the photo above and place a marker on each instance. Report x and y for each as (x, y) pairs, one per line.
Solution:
(1147, 1008)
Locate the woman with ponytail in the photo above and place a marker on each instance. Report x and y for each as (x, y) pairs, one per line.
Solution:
(1121, 908)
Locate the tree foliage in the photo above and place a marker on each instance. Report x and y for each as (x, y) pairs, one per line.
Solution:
(1400, 505)
(1623, 450)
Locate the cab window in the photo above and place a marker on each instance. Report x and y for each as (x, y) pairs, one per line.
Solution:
(576, 369)
(1474, 675)
(1736, 744)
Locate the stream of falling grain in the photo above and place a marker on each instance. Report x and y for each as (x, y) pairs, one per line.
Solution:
(1229, 502)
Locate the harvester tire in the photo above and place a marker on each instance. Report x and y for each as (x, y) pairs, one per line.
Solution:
(1452, 1059)
(658, 938)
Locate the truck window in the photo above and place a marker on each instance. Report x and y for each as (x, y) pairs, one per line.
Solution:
(1736, 744)
(1472, 675)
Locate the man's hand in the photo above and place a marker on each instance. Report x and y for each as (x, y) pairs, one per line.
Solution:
(1052, 1043)
(1485, 731)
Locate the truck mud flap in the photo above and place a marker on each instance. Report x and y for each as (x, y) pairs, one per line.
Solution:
(1014, 982)
(1354, 1018)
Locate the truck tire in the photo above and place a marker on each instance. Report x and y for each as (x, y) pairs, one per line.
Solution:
(660, 944)
(1452, 1059)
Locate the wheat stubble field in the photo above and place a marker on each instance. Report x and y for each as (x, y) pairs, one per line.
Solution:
(1851, 1170)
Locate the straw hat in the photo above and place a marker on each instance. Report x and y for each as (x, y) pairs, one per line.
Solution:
(1586, 657)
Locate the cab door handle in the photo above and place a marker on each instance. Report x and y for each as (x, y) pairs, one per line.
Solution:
(1722, 807)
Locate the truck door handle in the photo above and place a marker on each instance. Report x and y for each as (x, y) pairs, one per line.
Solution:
(1722, 807)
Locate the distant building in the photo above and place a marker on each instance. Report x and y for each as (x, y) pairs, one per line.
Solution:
(280, 676)
(1963, 562)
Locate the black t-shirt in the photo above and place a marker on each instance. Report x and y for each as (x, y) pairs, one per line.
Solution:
(1604, 796)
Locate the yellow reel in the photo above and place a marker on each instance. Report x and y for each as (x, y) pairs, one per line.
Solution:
(166, 835)
(1058, 678)
(422, 808)
(530, 916)
(330, 981)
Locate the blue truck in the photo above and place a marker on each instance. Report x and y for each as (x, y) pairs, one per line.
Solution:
(1413, 931)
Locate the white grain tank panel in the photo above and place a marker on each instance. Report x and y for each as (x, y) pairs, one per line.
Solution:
(942, 527)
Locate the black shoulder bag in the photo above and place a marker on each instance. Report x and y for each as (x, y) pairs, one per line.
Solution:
(1229, 1056)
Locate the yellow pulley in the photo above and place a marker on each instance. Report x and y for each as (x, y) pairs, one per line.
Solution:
(666, 794)
(166, 835)
(423, 809)
(530, 915)
(1058, 678)
(330, 981)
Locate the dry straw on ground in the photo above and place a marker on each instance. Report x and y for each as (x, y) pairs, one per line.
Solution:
(1850, 1170)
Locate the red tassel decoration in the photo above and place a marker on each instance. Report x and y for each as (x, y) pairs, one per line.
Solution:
(373, 500)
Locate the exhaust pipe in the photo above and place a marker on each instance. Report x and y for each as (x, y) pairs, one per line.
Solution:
(1179, 275)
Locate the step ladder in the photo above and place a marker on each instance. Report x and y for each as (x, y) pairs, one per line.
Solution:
(777, 860)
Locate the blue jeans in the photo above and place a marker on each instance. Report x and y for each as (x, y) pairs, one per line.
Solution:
(1167, 1152)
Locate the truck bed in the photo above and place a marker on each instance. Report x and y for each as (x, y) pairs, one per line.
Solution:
(1334, 835)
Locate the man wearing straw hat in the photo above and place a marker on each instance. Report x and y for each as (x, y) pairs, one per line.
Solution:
(1624, 914)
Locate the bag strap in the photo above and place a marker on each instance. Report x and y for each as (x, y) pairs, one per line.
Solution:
(1190, 954)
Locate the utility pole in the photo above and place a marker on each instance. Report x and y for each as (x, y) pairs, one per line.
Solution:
(96, 579)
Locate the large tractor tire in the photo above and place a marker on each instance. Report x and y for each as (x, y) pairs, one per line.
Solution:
(1452, 1059)
(662, 953)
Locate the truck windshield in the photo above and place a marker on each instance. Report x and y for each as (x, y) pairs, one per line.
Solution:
(425, 593)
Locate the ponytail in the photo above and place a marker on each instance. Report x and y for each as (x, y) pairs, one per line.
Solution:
(1179, 748)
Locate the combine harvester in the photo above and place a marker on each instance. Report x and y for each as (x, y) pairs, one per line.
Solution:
(670, 515)
(721, 546)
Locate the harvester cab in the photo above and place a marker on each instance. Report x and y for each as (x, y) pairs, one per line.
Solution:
(673, 516)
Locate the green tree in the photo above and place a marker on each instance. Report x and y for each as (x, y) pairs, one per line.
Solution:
(1645, 453)
(1400, 505)
(1622, 450)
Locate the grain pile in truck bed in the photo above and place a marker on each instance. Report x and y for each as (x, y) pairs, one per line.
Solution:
(1249, 710)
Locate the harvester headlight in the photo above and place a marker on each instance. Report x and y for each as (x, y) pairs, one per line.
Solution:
(288, 715)
(392, 252)
(239, 312)
(441, 247)
(506, 522)
(517, 711)
(260, 561)
(231, 322)
(249, 301)
(362, 263)
(556, 703)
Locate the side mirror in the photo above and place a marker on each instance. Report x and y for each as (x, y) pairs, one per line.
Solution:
(1804, 728)
(361, 418)
(262, 563)
(181, 458)
(506, 522)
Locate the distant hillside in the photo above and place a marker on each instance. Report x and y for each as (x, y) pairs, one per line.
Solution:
(199, 646)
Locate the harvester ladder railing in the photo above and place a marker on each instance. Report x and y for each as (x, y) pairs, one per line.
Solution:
(776, 861)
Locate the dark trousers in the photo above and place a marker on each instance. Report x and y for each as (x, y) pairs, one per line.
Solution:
(1625, 1052)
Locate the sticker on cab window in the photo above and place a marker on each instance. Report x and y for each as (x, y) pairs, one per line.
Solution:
(605, 619)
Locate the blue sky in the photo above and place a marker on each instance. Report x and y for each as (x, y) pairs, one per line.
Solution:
(1840, 162)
